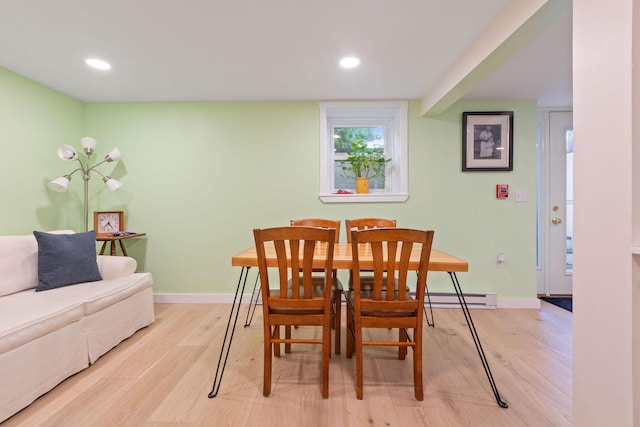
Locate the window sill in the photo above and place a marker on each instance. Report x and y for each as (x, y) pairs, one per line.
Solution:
(363, 198)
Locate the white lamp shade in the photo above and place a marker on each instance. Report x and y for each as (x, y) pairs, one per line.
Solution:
(67, 152)
(115, 154)
(88, 143)
(59, 184)
(112, 184)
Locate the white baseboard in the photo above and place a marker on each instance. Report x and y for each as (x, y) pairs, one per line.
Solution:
(228, 299)
(196, 298)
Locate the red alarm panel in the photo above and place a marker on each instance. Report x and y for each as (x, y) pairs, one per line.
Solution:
(502, 191)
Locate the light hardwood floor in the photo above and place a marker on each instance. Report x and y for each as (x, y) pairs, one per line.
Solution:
(161, 377)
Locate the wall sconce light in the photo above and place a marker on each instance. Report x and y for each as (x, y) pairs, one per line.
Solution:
(68, 152)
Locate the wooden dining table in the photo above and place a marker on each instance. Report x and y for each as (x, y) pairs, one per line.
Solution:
(342, 259)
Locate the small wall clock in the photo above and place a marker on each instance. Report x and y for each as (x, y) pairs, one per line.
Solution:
(108, 222)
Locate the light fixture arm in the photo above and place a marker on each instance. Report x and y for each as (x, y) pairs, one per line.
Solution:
(99, 173)
(92, 168)
(74, 171)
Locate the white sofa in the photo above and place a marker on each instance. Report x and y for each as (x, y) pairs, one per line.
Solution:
(47, 336)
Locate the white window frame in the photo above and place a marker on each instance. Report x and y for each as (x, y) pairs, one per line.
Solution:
(393, 115)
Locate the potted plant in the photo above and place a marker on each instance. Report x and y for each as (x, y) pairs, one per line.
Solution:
(363, 163)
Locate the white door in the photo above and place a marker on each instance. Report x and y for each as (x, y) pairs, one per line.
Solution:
(560, 215)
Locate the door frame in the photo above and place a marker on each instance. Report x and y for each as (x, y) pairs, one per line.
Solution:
(543, 216)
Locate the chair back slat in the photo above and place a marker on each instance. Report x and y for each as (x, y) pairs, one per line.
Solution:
(281, 255)
(405, 256)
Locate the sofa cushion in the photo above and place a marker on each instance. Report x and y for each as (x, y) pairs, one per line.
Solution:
(96, 296)
(24, 318)
(66, 259)
(18, 264)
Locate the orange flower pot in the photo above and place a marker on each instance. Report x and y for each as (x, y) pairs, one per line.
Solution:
(362, 185)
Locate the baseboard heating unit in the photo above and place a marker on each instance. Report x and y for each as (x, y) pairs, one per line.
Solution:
(450, 299)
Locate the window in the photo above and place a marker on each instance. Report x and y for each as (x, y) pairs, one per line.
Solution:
(382, 126)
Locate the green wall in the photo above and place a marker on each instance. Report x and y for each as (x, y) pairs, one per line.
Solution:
(198, 177)
(34, 121)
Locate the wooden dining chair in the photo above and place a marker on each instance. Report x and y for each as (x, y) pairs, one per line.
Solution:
(365, 224)
(378, 308)
(336, 285)
(293, 300)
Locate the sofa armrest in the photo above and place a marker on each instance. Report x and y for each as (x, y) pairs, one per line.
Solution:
(113, 267)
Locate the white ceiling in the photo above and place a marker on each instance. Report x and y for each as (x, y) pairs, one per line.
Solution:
(209, 50)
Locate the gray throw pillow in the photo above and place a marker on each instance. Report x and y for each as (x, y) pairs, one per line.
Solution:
(66, 259)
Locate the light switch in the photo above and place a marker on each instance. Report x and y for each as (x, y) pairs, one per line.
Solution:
(521, 195)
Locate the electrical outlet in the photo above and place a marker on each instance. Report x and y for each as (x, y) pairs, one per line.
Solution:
(500, 259)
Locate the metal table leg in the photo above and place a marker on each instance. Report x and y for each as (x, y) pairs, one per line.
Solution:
(431, 323)
(433, 319)
(251, 311)
(217, 380)
(476, 340)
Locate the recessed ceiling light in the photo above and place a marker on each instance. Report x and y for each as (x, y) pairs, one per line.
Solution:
(98, 63)
(349, 62)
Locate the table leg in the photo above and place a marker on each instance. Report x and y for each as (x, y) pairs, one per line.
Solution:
(476, 340)
(253, 303)
(104, 246)
(426, 316)
(217, 380)
(113, 248)
(431, 323)
(124, 251)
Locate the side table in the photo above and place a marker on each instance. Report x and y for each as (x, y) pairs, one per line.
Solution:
(113, 238)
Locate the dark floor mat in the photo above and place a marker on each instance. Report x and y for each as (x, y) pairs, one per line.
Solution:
(566, 303)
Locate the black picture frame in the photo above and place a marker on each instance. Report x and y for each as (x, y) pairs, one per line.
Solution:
(487, 141)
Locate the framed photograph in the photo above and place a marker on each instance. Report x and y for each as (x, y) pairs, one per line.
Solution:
(487, 141)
